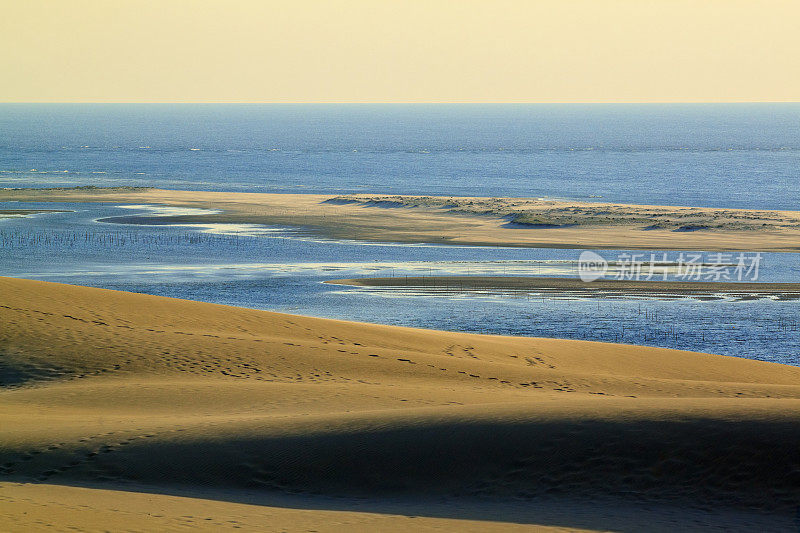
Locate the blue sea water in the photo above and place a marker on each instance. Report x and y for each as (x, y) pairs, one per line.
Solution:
(719, 155)
(710, 155)
(283, 269)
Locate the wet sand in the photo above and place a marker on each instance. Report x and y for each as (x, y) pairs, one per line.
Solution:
(597, 288)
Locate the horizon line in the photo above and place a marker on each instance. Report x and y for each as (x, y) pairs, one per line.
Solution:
(555, 102)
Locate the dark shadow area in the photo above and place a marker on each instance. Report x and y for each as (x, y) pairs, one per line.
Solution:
(701, 464)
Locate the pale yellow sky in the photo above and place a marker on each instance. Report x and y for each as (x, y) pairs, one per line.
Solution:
(399, 51)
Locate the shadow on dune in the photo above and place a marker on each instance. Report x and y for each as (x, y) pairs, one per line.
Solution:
(702, 463)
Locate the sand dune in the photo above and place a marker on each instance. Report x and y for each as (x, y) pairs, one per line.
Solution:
(157, 413)
(520, 222)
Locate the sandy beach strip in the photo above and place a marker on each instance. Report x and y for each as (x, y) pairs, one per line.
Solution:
(462, 221)
(577, 286)
(128, 394)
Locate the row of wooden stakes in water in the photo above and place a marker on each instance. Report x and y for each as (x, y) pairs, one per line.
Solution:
(11, 239)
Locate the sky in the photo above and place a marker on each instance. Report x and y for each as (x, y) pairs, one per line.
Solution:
(399, 51)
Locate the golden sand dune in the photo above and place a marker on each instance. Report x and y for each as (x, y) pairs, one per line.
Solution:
(155, 413)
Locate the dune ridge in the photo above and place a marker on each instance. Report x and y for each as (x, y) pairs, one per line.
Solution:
(127, 393)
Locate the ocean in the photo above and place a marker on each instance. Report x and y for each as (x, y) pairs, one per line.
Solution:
(714, 155)
(745, 156)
